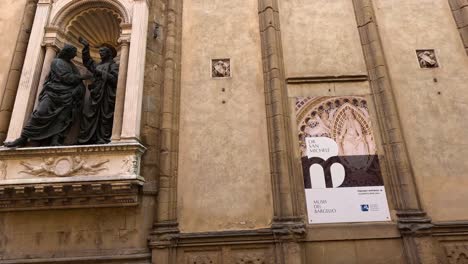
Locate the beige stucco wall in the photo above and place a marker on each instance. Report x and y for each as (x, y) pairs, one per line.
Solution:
(11, 14)
(224, 175)
(320, 38)
(434, 125)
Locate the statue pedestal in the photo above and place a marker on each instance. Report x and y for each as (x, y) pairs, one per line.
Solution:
(70, 176)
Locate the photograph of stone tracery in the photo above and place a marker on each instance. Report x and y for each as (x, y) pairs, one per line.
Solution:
(239, 131)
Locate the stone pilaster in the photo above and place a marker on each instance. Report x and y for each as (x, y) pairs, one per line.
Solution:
(30, 73)
(460, 14)
(9, 93)
(120, 94)
(283, 175)
(165, 226)
(135, 75)
(413, 222)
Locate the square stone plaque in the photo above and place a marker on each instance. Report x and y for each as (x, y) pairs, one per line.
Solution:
(427, 58)
(221, 68)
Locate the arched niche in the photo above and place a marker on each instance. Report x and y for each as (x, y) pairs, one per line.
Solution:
(119, 23)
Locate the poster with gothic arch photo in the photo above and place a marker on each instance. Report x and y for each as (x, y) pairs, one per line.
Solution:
(342, 176)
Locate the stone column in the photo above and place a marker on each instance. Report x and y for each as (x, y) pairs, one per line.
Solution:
(50, 54)
(120, 95)
(31, 71)
(135, 76)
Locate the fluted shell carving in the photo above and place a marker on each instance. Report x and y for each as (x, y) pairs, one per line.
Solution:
(97, 25)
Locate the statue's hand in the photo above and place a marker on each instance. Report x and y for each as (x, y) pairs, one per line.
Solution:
(83, 41)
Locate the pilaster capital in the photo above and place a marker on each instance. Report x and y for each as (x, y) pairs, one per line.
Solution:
(294, 226)
(124, 40)
(51, 45)
(147, 2)
(45, 2)
(414, 223)
(164, 234)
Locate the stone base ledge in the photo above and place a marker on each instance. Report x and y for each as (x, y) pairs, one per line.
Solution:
(70, 176)
(61, 195)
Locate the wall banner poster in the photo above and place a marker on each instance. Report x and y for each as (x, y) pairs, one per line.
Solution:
(342, 177)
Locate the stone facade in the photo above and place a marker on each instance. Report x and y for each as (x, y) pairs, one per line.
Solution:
(204, 164)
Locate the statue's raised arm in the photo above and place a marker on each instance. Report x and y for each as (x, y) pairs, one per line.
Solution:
(88, 62)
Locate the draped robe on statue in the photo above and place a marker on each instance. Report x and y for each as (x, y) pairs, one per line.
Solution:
(97, 119)
(59, 104)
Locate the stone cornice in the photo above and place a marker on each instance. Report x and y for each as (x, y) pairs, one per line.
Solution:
(61, 195)
(326, 79)
(450, 228)
(5, 153)
(117, 259)
(167, 235)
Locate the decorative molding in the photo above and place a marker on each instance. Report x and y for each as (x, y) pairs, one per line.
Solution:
(172, 238)
(130, 165)
(289, 226)
(452, 228)
(20, 197)
(252, 258)
(326, 79)
(415, 225)
(64, 166)
(142, 258)
(6, 153)
(201, 259)
(73, 8)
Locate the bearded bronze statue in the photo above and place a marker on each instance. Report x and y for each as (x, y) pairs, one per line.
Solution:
(97, 120)
(60, 103)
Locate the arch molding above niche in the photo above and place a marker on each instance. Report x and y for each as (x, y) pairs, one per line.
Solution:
(63, 10)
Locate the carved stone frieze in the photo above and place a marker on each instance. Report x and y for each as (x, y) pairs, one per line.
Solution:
(252, 258)
(111, 160)
(202, 259)
(64, 166)
(130, 165)
(457, 253)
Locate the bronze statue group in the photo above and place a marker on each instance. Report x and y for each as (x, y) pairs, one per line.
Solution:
(61, 101)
